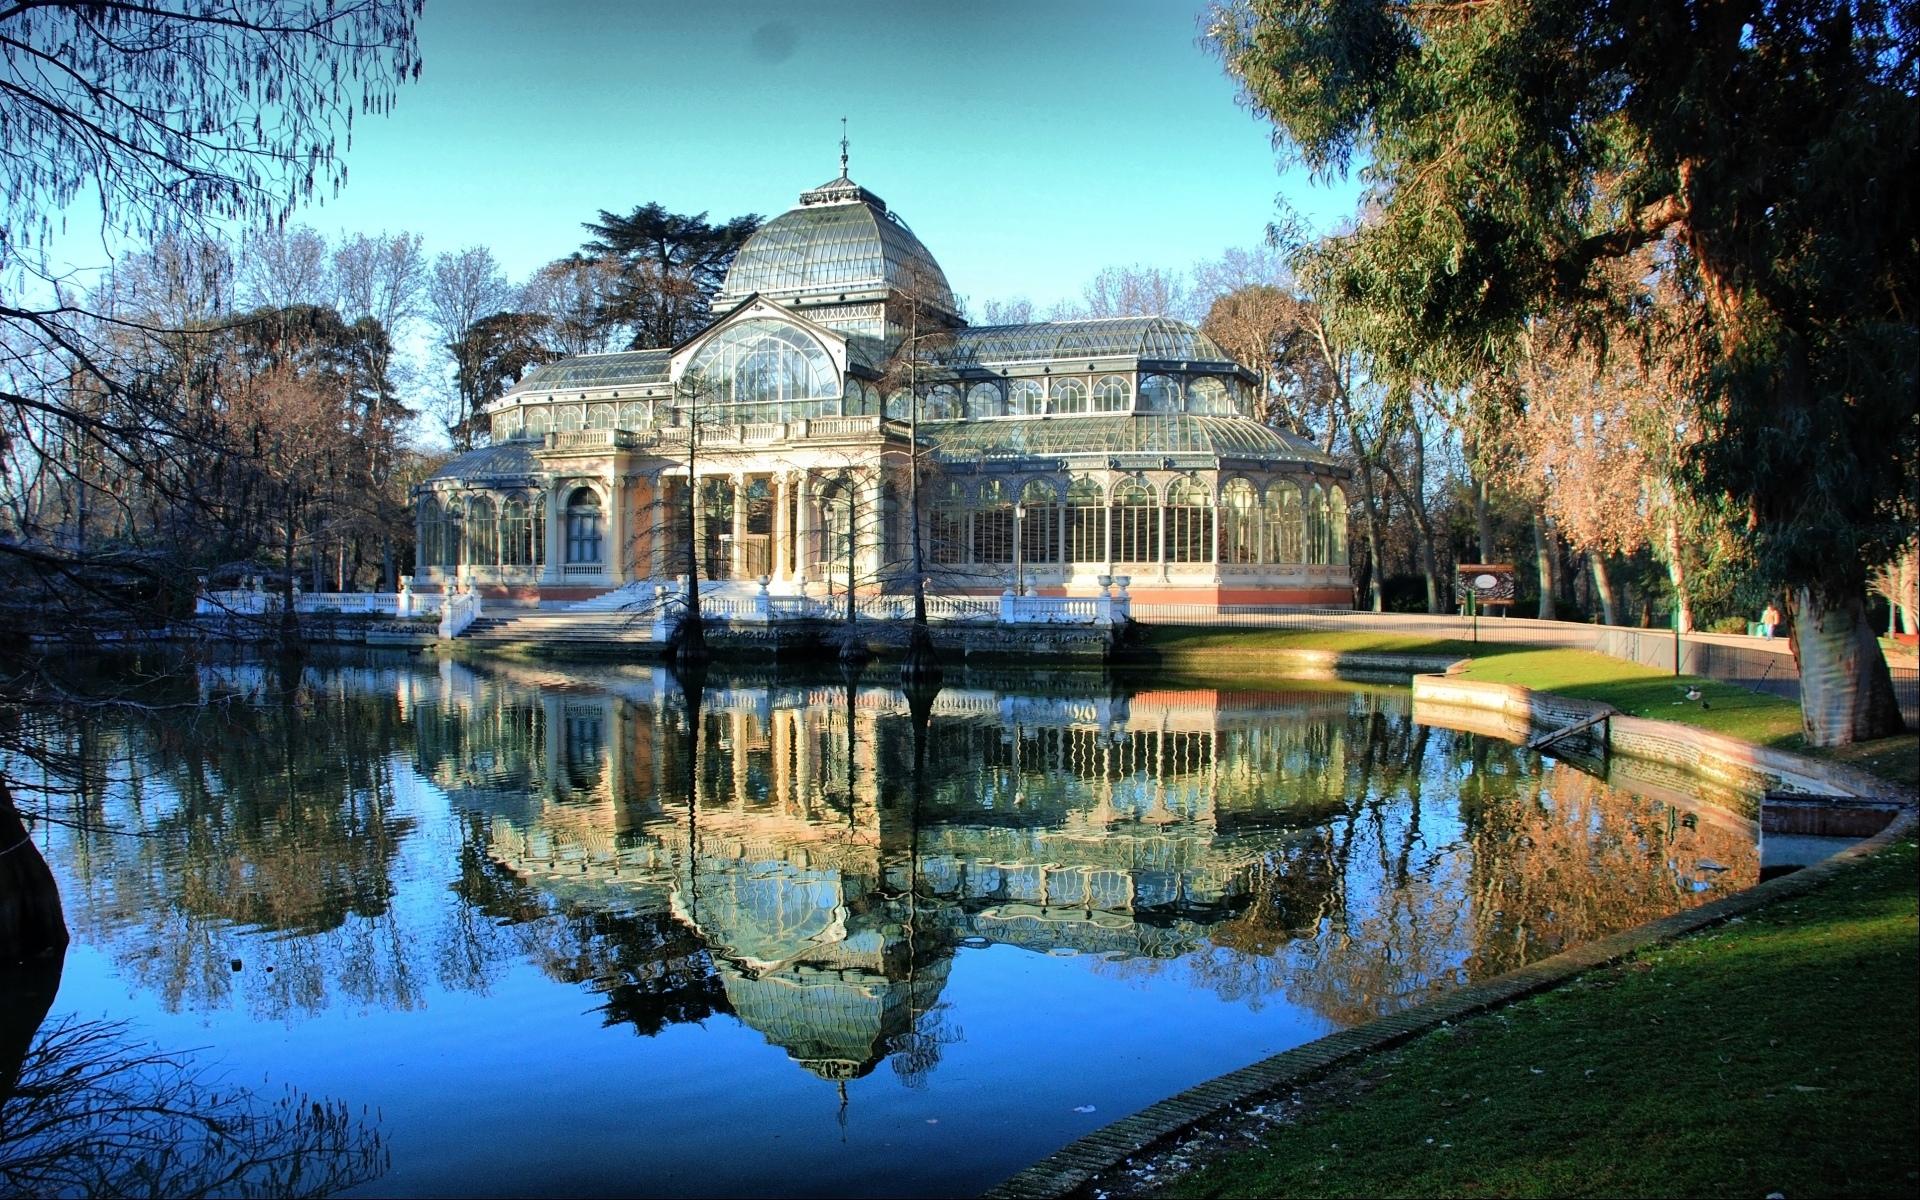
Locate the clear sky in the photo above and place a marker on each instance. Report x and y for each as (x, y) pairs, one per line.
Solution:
(1028, 144)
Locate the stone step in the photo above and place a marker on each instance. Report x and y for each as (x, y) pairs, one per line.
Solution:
(559, 627)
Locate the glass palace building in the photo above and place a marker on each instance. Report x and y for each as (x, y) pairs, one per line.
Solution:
(789, 430)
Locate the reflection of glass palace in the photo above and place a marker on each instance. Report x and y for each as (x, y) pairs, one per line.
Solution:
(1055, 451)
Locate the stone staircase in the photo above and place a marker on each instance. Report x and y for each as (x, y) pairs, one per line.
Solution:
(560, 628)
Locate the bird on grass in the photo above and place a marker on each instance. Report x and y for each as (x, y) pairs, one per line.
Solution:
(1694, 695)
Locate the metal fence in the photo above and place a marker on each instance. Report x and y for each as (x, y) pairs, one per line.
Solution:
(1759, 664)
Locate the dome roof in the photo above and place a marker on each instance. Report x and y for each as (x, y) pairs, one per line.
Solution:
(840, 240)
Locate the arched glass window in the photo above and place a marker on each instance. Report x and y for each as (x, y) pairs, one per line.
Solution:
(1114, 393)
(1317, 526)
(519, 540)
(1239, 523)
(1207, 395)
(432, 532)
(1136, 524)
(762, 362)
(635, 415)
(1159, 393)
(947, 524)
(568, 417)
(1189, 522)
(539, 420)
(1039, 522)
(983, 400)
(583, 526)
(1087, 521)
(860, 400)
(1025, 398)
(1337, 527)
(602, 416)
(992, 524)
(483, 532)
(506, 425)
(900, 405)
(943, 404)
(1067, 396)
(1283, 518)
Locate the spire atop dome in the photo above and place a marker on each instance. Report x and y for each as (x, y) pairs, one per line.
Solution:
(843, 147)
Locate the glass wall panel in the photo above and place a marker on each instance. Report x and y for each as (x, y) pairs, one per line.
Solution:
(602, 416)
(1317, 526)
(1189, 522)
(1208, 396)
(1114, 393)
(1067, 396)
(1039, 522)
(519, 543)
(568, 418)
(761, 362)
(1159, 393)
(1283, 523)
(993, 524)
(943, 404)
(1087, 521)
(983, 400)
(483, 533)
(1239, 523)
(539, 420)
(635, 415)
(1025, 398)
(947, 525)
(900, 405)
(1337, 527)
(1136, 525)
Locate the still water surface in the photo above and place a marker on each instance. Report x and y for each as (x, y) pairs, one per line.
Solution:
(559, 931)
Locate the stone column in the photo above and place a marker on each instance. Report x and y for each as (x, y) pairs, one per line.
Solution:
(869, 518)
(803, 533)
(616, 543)
(737, 563)
(782, 529)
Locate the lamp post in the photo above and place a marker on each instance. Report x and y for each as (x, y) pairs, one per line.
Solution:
(1019, 564)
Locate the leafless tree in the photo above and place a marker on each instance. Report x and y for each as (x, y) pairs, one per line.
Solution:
(462, 289)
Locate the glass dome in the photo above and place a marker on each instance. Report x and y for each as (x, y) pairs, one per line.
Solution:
(841, 239)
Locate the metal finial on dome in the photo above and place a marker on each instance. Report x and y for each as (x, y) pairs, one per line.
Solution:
(843, 147)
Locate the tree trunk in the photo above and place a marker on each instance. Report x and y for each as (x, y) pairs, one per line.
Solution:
(1677, 575)
(1544, 561)
(1482, 520)
(31, 923)
(1846, 691)
(1376, 570)
(1603, 588)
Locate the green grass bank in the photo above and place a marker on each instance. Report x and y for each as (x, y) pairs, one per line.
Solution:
(1776, 1053)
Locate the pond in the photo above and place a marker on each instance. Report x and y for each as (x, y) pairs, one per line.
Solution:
(534, 929)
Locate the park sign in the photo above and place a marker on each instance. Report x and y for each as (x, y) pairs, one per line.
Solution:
(1487, 584)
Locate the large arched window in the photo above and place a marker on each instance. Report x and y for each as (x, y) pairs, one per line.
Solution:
(1087, 521)
(1207, 395)
(992, 523)
(983, 400)
(763, 362)
(567, 418)
(858, 401)
(583, 526)
(1039, 522)
(539, 420)
(900, 404)
(635, 415)
(1025, 398)
(1135, 522)
(1336, 527)
(483, 532)
(520, 543)
(1189, 522)
(506, 425)
(602, 416)
(947, 524)
(1317, 526)
(1239, 523)
(1284, 544)
(943, 404)
(435, 533)
(1114, 393)
(1067, 396)
(1159, 393)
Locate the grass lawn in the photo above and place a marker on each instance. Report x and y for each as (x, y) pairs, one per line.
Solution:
(1778, 1053)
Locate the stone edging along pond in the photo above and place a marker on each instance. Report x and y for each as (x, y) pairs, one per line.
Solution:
(1517, 711)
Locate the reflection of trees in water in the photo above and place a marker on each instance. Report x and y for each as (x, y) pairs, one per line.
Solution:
(95, 1112)
(271, 816)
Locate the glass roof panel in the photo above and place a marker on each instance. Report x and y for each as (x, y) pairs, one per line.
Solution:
(630, 367)
(1104, 337)
(1128, 433)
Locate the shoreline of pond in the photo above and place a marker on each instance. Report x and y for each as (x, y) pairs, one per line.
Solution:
(1508, 711)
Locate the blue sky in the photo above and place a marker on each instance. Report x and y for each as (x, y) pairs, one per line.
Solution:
(1028, 144)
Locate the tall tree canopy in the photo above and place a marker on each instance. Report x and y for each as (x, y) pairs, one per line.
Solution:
(671, 266)
(1518, 149)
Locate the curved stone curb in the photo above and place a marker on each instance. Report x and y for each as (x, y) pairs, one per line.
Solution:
(1080, 1162)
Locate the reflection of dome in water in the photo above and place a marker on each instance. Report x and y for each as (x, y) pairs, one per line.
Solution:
(837, 1024)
